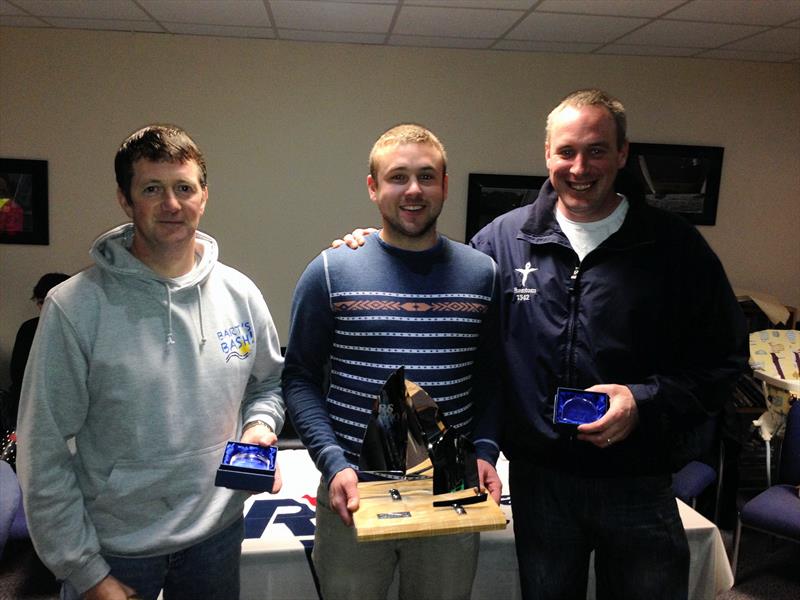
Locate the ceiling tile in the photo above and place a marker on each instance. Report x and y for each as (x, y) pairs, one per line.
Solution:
(578, 28)
(7, 9)
(105, 24)
(619, 8)
(751, 12)
(21, 21)
(220, 30)
(560, 47)
(494, 4)
(454, 22)
(332, 16)
(346, 1)
(692, 35)
(88, 9)
(439, 42)
(631, 50)
(331, 36)
(246, 13)
(783, 39)
(747, 55)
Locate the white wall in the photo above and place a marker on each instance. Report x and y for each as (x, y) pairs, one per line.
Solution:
(286, 128)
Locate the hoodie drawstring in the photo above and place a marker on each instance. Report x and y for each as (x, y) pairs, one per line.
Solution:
(170, 336)
(200, 311)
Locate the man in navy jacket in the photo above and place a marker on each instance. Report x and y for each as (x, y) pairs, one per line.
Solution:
(603, 292)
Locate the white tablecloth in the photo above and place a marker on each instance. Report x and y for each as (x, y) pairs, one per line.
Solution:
(279, 533)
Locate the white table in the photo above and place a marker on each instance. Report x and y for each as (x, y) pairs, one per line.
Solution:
(276, 559)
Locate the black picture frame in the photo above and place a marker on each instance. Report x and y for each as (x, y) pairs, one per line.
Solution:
(491, 195)
(681, 179)
(23, 202)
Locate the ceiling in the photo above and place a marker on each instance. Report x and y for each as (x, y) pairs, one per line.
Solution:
(754, 30)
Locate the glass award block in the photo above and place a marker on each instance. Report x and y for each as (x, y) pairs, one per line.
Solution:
(575, 407)
(247, 467)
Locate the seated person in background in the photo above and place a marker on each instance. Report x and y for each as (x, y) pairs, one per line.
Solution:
(414, 298)
(150, 360)
(22, 347)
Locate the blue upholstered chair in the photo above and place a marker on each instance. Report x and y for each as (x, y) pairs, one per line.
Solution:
(12, 517)
(776, 510)
(693, 478)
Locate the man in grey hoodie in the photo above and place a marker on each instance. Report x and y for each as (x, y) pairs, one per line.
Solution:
(148, 363)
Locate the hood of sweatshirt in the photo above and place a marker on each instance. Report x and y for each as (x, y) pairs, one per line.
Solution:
(111, 253)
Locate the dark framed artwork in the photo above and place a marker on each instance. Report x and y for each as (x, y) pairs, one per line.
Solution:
(489, 196)
(681, 179)
(23, 202)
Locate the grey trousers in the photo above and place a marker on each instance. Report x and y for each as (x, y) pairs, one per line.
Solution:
(430, 568)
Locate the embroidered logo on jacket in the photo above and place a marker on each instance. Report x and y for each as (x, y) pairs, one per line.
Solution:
(523, 294)
(236, 341)
(525, 271)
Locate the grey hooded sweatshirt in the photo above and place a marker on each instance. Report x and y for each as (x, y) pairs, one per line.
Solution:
(150, 377)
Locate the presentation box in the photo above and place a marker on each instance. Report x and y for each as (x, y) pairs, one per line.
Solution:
(574, 407)
(247, 467)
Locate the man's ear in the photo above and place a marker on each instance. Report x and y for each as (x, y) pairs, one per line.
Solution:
(372, 188)
(623, 155)
(123, 202)
(445, 186)
(204, 201)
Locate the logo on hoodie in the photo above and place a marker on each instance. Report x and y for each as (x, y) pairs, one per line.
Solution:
(524, 293)
(236, 341)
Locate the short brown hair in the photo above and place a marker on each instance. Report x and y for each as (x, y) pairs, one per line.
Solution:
(593, 97)
(405, 133)
(157, 143)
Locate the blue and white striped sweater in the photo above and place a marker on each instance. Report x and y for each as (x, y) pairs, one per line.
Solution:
(368, 312)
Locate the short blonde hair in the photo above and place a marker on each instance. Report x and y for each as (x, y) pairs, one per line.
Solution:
(593, 97)
(405, 133)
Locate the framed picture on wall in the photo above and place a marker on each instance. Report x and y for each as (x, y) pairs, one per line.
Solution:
(489, 196)
(23, 202)
(681, 179)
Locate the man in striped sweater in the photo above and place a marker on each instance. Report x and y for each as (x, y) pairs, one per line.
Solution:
(410, 298)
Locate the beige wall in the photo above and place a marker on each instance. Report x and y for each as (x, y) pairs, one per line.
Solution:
(286, 128)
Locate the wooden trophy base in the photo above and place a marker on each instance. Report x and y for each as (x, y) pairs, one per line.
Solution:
(382, 517)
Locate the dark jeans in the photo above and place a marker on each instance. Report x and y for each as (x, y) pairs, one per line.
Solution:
(207, 570)
(632, 524)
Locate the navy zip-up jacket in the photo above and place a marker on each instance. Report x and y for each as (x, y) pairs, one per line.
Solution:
(650, 308)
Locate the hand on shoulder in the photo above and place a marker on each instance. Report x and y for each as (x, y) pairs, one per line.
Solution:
(354, 240)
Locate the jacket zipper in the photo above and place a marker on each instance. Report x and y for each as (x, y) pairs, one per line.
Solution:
(573, 290)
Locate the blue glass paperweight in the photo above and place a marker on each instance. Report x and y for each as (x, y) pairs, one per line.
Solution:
(576, 407)
(247, 467)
